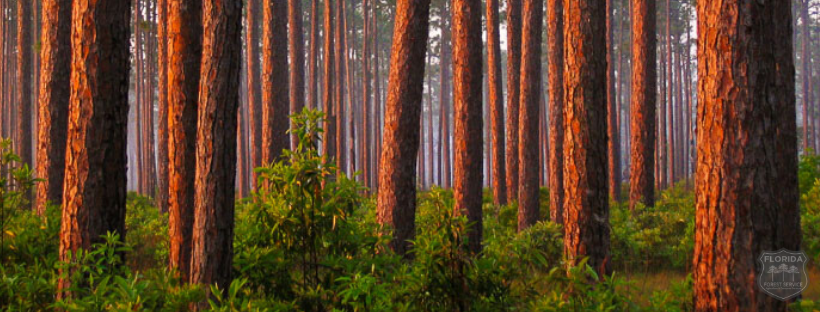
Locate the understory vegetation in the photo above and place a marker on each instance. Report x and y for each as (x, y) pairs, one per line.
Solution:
(309, 241)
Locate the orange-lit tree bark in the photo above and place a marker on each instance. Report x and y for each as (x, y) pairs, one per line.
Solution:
(614, 147)
(586, 204)
(55, 69)
(95, 177)
(513, 89)
(256, 84)
(313, 56)
(467, 101)
(296, 49)
(339, 86)
(747, 119)
(216, 142)
(328, 100)
(162, 125)
(397, 187)
(555, 19)
(444, 96)
(275, 96)
(184, 56)
(532, 23)
(642, 114)
(496, 95)
(24, 72)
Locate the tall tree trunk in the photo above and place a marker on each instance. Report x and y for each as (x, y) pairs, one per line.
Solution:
(555, 21)
(805, 60)
(367, 129)
(736, 219)
(513, 89)
(256, 101)
(162, 126)
(467, 73)
(614, 147)
(377, 99)
(328, 100)
(275, 94)
(445, 88)
(296, 49)
(642, 116)
(184, 56)
(55, 70)
(662, 175)
(397, 190)
(586, 223)
(97, 129)
(532, 22)
(24, 72)
(216, 141)
(339, 87)
(313, 57)
(670, 103)
(496, 102)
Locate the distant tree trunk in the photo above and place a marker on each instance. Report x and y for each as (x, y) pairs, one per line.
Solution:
(736, 219)
(216, 141)
(296, 49)
(805, 59)
(532, 23)
(185, 54)
(367, 129)
(614, 148)
(24, 72)
(377, 99)
(445, 88)
(513, 89)
(97, 128)
(55, 71)
(397, 190)
(496, 100)
(256, 101)
(467, 102)
(555, 20)
(662, 175)
(162, 127)
(644, 88)
(339, 87)
(586, 216)
(670, 103)
(328, 105)
(275, 94)
(313, 57)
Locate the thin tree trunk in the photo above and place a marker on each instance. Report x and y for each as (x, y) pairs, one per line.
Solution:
(162, 127)
(24, 73)
(296, 49)
(256, 101)
(614, 144)
(670, 103)
(313, 57)
(339, 87)
(275, 94)
(444, 102)
(642, 116)
(555, 21)
(532, 22)
(496, 102)
(328, 100)
(513, 89)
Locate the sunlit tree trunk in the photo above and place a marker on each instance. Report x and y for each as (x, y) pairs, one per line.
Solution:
(275, 94)
(24, 72)
(256, 101)
(586, 215)
(313, 56)
(513, 89)
(555, 27)
(496, 102)
(328, 100)
(644, 86)
(397, 189)
(296, 49)
(614, 147)
(55, 71)
(95, 179)
(747, 118)
(162, 125)
(532, 23)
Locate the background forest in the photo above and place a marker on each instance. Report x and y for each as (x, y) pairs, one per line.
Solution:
(383, 155)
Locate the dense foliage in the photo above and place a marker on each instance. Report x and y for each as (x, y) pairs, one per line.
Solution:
(308, 241)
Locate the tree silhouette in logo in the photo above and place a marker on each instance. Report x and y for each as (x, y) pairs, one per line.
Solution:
(793, 270)
(773, 270)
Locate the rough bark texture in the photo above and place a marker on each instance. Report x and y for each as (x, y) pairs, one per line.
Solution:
(328, 100)
(496, 98)
(55, 69)
(184, 56)
(746, 191)
(24, 72)
(296, 49)
(467, 84)
(614, 147)
(513, 89)
(339, 86)
(313, 56)
(532, 23)
(586, 204)
(256, 100)
(95, 179)
(555, 19)
(642, 112)
(275, 95)
(216, 142)
(397, 185)
(162, 126)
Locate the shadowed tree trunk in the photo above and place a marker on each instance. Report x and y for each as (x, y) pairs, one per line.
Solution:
(644, 88)
(555, 19)
(614, 148)
(445, 88)
(256, 101)
(496, 94)
(313, 57)
(397, 187)
(296, 49)
(162, 126)
(24, 72)
(467, 101)
(55, 71)
(532, 23)
(513, 89)
(805, 59)
(216, 142)
(339, 87)
(275, 96)
(366, 109)
(185, 53)
(95, 178)
(328, 105)
(586, 222)
(747, 115)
